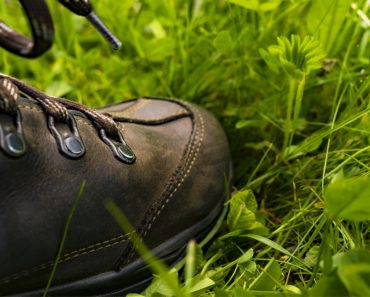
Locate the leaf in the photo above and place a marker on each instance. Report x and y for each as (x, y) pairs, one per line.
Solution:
(223, 42)
(354, 270)
(157, 50)
(222, 293)
(240, 292)
(338, 176)
(258, 5)
(325, 19)
(249, 268)
(349, 198)
(246, 257)
(308, 145)
(249, 4)
(267, 280)
(248, 123)
(254, 229)
(248, 199)
(297, 56)
(341, 260)
(160, 285)
(193, 260)
(350, 278)
(270, 5)
(217, 275)
(329, 286)
(292, 289)
(356, 278)
(201, 284)
(312, 255)
(270, 60)
(157, 29)
(270, 243)
(241, 216)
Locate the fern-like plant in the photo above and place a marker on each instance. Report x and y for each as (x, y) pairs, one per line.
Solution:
(297, 58)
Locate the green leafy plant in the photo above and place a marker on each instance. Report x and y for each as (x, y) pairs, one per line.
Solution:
(349, 199)
(258, 5)
(297, 58)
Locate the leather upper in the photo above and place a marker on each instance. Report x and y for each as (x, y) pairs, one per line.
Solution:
(182, 161)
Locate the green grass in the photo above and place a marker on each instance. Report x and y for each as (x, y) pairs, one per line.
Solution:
(294, 125)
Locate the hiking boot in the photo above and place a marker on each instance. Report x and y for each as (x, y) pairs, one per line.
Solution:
(164, 163)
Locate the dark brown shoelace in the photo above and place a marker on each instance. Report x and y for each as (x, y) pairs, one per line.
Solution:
(42, 28)
(57, 111)
(8, 97)
(57, 107)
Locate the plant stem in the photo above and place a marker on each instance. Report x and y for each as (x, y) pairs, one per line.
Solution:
(295, 96)
(288, 121)
(323, 247)
(298, 104)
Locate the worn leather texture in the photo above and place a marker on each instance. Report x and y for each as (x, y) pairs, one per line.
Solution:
(178, 178)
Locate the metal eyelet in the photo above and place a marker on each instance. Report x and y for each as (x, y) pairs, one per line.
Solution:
(67, 137)
(11, 135)
(120, 148)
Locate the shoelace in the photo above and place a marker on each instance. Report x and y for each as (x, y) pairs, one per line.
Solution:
(42, 28)
(58, 111)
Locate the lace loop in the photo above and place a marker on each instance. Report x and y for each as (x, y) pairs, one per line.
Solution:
(48, 103)
(100, 120)
(68, 137)
(69, 141)
(9, 95)
(11, 134)
(119, 147)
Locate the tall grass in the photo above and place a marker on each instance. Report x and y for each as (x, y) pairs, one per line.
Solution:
(294, 129)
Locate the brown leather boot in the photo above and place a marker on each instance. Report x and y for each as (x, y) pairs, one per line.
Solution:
(162, 161)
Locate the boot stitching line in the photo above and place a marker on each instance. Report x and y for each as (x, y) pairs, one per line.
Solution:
(187, 169)
(74, 254)
(187, 172)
